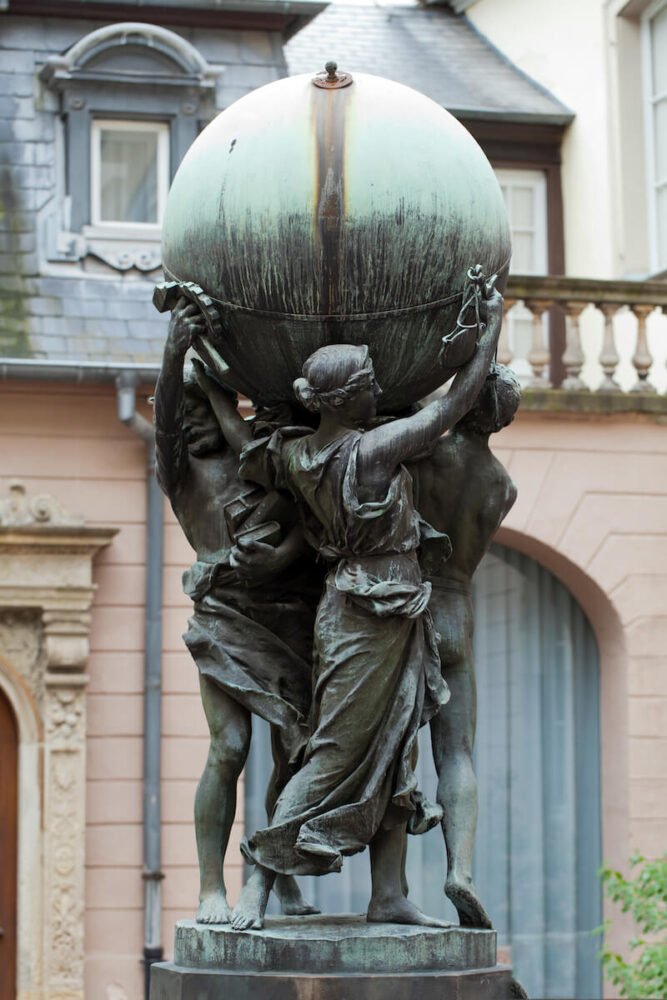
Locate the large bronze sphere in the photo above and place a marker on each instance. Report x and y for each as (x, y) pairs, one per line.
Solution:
(333, 213)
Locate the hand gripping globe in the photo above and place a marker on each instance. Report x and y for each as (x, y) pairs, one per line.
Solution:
(336, 209)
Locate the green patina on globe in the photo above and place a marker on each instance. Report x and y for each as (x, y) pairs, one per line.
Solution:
(344, 215)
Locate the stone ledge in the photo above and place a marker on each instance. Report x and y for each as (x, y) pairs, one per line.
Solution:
(601, 403)
(332, 944)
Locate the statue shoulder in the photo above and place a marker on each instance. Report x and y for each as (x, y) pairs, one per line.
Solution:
(512, 491)
(450, 457)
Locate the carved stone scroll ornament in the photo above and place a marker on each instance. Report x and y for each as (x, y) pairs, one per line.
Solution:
(18, 509)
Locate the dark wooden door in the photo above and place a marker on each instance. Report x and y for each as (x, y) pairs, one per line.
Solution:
(8, 848)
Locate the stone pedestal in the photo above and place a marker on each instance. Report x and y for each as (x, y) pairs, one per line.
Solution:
(331, 958)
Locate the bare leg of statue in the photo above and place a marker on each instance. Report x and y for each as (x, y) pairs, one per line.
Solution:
(388, 903)
(452, 736)
(215, 801)
(286, 887)
(405, 887)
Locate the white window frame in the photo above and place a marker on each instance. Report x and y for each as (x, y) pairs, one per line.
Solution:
(658, 254)
(536, 178)
(98, 125)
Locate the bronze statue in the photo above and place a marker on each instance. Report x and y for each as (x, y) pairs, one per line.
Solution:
(251, 642)
(377, 673)
(357, 229)
(461, 488)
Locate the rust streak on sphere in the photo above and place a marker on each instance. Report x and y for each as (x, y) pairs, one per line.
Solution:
(343, 212)
(330, 153)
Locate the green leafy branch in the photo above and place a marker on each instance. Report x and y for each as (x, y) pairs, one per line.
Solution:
(644, 896)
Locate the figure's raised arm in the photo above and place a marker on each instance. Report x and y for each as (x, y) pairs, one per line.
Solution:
(170, 444)
(383, 449)
(234, 428)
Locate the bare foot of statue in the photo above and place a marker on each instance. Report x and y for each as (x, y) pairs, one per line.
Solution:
(399, 910)
(248, 914)
(213, 908)
(292, 902)
(463, 895)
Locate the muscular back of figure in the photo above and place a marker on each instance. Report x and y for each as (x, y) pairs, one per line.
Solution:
(199, 502)
(465, 491)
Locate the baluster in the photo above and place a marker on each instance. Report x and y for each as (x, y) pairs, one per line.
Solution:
(573, 356)
(504, 352)
(539, 355)
(609, 357)
(642, 359)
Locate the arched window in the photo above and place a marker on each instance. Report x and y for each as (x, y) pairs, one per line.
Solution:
(537, 762)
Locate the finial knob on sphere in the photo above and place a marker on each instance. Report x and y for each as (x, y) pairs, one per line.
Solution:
(331, 68)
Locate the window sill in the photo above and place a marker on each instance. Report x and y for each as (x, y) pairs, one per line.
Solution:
(124, 247)
(123, 232)
(121, 248)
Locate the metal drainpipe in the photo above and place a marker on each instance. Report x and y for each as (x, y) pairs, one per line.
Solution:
(126, 384)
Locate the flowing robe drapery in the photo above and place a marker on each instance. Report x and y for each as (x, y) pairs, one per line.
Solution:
(253, 642)
(376, 668)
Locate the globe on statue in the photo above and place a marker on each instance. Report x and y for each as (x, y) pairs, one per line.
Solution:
(336, 209)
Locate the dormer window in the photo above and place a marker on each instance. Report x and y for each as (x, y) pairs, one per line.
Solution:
(133, 97)
(129, 163)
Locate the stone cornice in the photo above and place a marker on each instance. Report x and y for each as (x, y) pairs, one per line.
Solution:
(50, 538)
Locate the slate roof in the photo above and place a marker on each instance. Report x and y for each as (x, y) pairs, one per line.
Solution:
(61, 313)
(256, 6)
(432, 49)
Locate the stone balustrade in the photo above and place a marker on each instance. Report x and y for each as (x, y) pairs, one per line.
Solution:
(586, 335)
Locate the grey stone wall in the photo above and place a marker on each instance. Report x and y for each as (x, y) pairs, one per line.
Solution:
(82, 308)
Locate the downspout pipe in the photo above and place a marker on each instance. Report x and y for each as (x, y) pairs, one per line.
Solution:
(126, 386)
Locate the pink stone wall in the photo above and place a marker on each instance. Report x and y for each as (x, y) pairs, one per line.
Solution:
(67, 441)
(592, 507)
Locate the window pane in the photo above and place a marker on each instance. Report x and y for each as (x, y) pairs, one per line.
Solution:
(659, 52)
(662, 227)
(660, 139)
(523, 207)
(523, 253)
(128, 176)
(525, 197)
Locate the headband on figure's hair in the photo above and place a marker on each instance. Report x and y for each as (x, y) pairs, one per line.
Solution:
(312, 398)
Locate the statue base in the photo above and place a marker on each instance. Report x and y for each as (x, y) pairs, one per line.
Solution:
(331, 958)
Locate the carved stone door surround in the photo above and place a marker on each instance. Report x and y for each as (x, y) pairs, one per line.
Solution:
(46, 591)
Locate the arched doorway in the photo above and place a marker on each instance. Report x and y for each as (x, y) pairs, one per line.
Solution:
(8, 847)
(538, 767)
